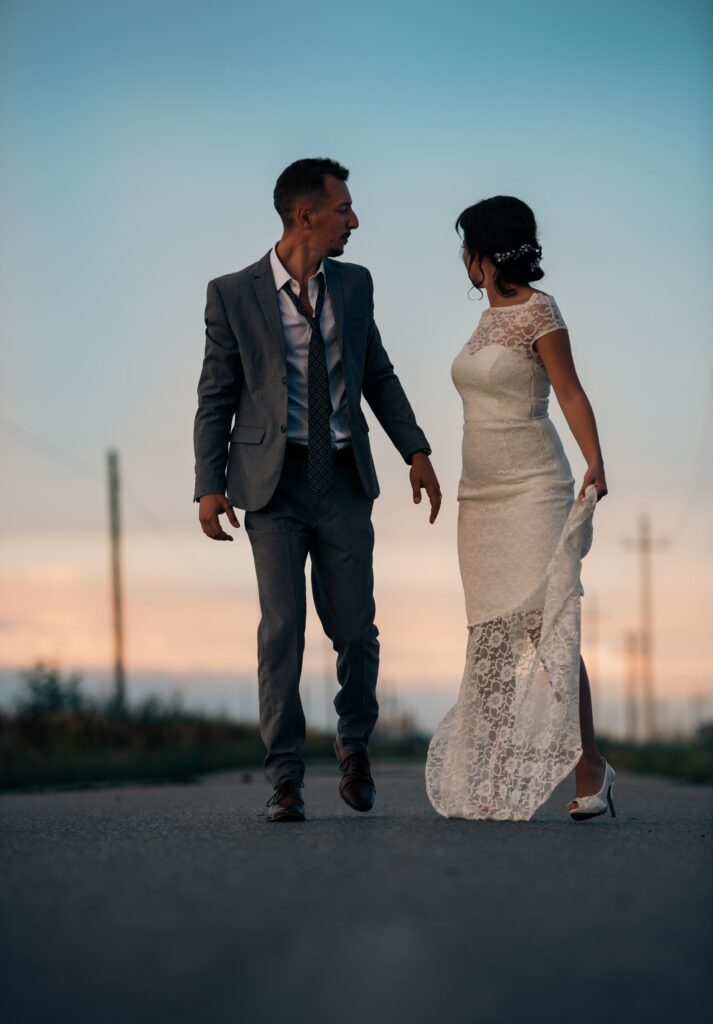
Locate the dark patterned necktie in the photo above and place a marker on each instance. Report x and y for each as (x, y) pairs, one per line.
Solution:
(320, 468)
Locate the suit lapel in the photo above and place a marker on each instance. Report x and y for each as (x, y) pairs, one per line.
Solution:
(334, 286)
(264, 284)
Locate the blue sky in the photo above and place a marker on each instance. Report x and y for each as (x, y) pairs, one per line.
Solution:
(141, 143)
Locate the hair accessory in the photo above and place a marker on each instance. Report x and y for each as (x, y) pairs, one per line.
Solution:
(527, 249)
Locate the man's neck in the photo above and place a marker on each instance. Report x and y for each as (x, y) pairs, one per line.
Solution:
(298, 259)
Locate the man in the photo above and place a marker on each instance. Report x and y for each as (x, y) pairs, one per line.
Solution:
(291, 347)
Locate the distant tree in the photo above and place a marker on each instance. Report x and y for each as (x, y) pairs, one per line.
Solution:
(155, 708)
(44, 690)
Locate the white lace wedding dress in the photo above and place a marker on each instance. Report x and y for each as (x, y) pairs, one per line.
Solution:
(514, 733)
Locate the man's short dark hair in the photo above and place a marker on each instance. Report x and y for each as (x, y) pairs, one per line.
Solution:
(304, 179)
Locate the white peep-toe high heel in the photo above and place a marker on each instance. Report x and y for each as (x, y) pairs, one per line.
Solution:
(593, 806)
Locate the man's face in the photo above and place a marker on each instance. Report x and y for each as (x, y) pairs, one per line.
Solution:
(333, 219)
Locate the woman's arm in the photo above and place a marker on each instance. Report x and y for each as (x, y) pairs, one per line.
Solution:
(556, 353)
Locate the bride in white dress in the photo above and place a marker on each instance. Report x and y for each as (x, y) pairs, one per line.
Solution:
(523, 719)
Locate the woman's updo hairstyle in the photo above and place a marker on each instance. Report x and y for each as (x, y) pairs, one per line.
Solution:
(503, 228)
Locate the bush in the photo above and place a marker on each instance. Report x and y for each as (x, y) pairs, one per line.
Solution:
(45, 692)
(58, 735)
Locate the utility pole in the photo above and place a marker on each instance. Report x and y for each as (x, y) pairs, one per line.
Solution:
(645, 545)
(697, 712)
(306, 698)
(116, 596)
(329, 688)
(631, 651)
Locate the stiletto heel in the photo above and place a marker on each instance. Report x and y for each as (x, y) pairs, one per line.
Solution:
(611, 804)
(593, 806)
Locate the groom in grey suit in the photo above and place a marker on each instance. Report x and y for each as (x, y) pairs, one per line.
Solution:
(291, 348)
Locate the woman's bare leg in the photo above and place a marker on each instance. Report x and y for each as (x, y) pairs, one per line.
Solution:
(589, 773)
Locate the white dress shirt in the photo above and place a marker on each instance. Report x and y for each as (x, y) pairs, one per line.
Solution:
(297, 334)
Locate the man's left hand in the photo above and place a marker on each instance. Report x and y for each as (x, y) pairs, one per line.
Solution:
(422, 476)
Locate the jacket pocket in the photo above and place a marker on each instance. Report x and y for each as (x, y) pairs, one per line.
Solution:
(244, 434)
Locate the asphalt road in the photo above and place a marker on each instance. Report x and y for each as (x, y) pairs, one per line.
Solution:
(180, 903)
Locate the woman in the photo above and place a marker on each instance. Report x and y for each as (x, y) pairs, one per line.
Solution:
(524, 714)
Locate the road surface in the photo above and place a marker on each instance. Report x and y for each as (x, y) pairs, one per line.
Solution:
(180, 903)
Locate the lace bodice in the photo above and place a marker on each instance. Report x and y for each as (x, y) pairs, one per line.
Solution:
(518, 327)
(499, 375)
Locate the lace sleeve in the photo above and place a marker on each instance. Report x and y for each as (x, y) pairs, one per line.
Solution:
(546, 318)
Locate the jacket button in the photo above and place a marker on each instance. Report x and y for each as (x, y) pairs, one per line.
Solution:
(283, 428)
(284, 380)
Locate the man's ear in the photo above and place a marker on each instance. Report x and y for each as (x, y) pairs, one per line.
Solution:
(303, 217)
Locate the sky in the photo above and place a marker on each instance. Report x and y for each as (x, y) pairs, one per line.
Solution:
(141, 143)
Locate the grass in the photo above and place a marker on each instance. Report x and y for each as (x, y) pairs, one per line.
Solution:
(57, 736)
(688, 759)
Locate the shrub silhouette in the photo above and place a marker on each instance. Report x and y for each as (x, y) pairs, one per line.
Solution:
(44, 691)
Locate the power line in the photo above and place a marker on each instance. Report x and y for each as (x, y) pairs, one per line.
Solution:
(33, 440)
(49, 449)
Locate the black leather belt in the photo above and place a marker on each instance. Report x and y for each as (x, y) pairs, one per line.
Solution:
(340, 456)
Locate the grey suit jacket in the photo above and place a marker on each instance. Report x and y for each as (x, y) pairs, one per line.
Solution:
(241, 425)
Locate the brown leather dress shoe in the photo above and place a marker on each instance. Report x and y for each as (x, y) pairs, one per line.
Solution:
(356, 786)
(286, 802)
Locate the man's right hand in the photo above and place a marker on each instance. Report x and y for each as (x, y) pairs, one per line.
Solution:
(210, 507)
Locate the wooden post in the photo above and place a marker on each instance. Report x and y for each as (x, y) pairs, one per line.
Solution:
(631, 654)
(116, 590)
(644, 544)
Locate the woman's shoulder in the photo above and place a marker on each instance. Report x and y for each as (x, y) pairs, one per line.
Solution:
(546, 313)
(543, 298)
